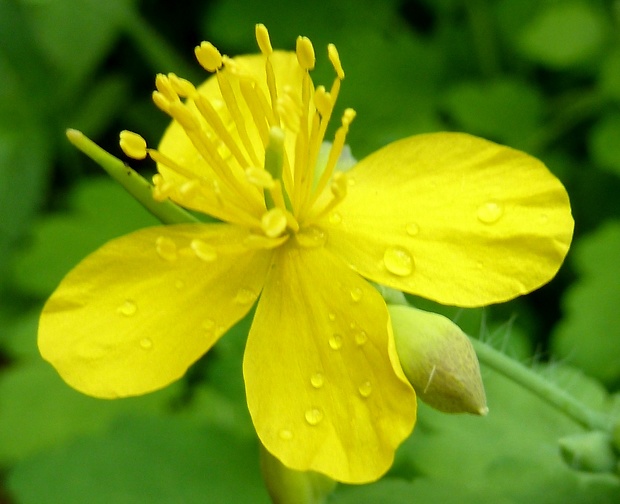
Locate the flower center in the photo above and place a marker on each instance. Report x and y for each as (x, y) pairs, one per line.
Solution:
(257, 147)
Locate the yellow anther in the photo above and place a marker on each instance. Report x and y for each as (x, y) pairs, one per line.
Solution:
(208, 56)
(332, 52)
(181, 86)
(323, 101)
(262, 37)
(305, 53)
(160, 100)
(162, 83)
(184, 116)
(348, 116)
(273, 222)
(133, 145)
(259, 177)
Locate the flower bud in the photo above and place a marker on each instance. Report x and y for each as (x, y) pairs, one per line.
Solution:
(288, 486)
(439, 361)
(589, 452)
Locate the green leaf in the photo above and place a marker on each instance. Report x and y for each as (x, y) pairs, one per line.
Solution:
(39, 410)
(101, 210)
(144, 460)
(511, 455)
(564, 34)
(507, 110)
(604, 142)
(589, 334)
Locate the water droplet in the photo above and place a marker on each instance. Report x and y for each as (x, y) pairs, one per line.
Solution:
(146, 343)
(356, 294)
(335, 218)
(412, 229)
(331, 316)
(208, 324)
(314, 416)
(166, 248)
(398, 261)
(490, 212)
(365, 389)
(317, 380)
(352, 325)
(203, 251)
(128, 308)
(544, 218)
(311, 237)
(245, 296)
(335, 341)
(179, 284)
(361, 338)
(285, 435)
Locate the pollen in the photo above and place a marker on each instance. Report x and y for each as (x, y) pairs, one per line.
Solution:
(262, 38)
(208, 56)
(305, 53)
(133, 145)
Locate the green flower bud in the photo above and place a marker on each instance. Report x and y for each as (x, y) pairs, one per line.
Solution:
(589, 452)
(288, 486)
(439, 361)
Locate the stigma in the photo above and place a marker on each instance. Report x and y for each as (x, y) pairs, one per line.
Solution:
(256, 138)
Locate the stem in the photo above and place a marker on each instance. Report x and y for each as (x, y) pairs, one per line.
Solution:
(136, 185)
(550, 393)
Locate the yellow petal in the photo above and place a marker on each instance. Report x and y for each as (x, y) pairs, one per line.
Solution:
(134, 315)
(453, 218)
(323, 382)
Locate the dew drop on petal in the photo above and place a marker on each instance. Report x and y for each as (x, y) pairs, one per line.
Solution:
(128, 308)
(314, 416)
(285, 434)
(335, 341)
(489, 212)
(203, 251)
(146, 343)
(311, 237)
(361, 338)
(365, 389)
(245, 296)
(331, 316)
(317, 380)
(179, 284)
(335, 218)
(544, 218)
(412, 229)
(208, 324)
(166, 248)
(398, 261)
(356, 294)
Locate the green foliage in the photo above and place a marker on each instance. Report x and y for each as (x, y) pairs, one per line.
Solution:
(539, 75)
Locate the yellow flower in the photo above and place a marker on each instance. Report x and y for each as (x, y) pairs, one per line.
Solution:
(448, 216)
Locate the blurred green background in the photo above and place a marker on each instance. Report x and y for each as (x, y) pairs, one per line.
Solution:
(539, 75)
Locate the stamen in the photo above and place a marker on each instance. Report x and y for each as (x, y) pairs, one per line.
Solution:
(334, 153)
(231, 102)
(332, 52)
(162, 83)
(208, 56)
(132, 144)
(182, 87)
(262, 38)
(162, 103)
(259, 177)
(250, 95)
(305, 53)
(274, 222)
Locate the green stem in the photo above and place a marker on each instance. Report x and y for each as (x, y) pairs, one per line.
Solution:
(532, 381)
(166, 211)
